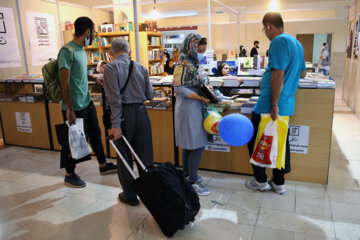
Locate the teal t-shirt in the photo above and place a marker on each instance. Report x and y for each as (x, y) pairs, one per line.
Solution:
(78, 76)
(286, 54)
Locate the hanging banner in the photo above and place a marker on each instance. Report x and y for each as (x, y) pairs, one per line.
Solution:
(9, 49)
(299, 138)
(42, 36)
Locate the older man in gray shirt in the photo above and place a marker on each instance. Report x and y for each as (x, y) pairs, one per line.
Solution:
(129, 116)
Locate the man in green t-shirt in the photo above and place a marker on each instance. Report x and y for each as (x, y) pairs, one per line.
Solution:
(77, 101)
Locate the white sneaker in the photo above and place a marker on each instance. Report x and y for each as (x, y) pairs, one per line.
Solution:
(252, 184)
(280, 189)
(200, 189)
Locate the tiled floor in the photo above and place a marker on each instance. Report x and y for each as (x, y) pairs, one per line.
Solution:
(34, 204)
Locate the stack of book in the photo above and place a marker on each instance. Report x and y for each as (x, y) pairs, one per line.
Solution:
(231, 81)
(304, 83)
(216, 81)
(247, 107)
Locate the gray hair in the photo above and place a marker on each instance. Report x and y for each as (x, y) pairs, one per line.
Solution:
(120, 45)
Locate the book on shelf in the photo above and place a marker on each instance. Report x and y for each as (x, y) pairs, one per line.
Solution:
(107, 28)
(93, 57)
(106, 41)
(155, 54)
(156, 69)
(151, 26)
(155, 41)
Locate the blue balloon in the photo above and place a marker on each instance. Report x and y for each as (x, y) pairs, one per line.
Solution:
(236, 129)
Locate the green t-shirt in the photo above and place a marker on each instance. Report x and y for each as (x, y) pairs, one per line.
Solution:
(78, 76)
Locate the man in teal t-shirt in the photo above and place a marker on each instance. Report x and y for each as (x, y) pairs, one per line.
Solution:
(277, 94)
(77, 101)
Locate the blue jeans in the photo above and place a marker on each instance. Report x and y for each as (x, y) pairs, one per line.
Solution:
(324, 71)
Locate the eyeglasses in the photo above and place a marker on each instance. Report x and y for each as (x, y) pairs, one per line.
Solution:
(263, 30)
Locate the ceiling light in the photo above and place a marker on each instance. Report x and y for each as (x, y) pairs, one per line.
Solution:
(274, 5)
(154, 14)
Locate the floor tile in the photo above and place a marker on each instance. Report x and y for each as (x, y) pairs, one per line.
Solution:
(275, 201)
(346, 212)
(261, 233)
(314, 207)
(295, 222)
(347, 231)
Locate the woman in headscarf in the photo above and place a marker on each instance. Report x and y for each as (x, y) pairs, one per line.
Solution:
(189, 132)
(324, 62)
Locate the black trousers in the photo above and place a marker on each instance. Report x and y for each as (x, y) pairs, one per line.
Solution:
(137, 130)
(92, 131)
(259, 172)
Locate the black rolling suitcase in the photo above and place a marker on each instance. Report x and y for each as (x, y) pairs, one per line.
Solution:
(170, 199)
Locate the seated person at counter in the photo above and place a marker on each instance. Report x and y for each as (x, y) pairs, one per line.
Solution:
(223, 70)
(169, 67)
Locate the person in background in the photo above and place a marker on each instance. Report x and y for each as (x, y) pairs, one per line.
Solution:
(223, 70)
(277, 94)
(100, 67)
(324, 62)
(128, 113)
(77, 101)
(169, 67)
(175, 55)
(242, 52)
(254, 50)
(189, 132)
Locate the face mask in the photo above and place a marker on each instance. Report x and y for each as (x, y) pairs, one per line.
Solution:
(257, 46)
(200, 56)
(89, 39)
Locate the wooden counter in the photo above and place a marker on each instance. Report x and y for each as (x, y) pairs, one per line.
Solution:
(39, 135)
(314, 108)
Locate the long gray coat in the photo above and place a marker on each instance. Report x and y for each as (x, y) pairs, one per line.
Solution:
(189, 131)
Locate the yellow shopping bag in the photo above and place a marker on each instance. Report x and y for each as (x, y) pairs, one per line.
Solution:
(282, 123)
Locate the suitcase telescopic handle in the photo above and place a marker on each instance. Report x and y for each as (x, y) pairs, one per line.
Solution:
(124, 161)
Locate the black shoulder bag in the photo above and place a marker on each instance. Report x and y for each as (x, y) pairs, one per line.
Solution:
(107, 112)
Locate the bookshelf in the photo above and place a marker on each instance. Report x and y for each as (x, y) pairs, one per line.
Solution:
(151, 49)
(100, 50)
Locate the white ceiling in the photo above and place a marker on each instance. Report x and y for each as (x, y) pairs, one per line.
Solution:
(201, 5)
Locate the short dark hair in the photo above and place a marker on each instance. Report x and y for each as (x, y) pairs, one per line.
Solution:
(273, 18)
(256, 42)
(324, 44)
(203, 41)
(82, 24)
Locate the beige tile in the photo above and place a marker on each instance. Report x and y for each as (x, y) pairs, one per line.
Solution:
(300, 236)
(220, 195)
(147, 230)
(314, 207)
(295, 222)
(347, 212)
(261, 233)
(39, 180)
(246, 198)
(215, 229)
(100, 191)
(310, 190)
(230, 181)
(241, 214)
(344, 195)
(275, 201)
(347, 231)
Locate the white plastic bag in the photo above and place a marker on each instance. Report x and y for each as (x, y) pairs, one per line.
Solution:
(266, 150)
(79, 147)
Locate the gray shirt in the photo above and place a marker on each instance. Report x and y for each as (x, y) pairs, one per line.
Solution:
(138, 89)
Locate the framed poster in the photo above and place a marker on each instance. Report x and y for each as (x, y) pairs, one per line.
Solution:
(9, 49)
(42, 37)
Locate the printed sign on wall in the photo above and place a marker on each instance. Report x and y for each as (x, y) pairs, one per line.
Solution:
(299, 138)
(42, 36)
(218, 145)
(9, 50)
(23, 122)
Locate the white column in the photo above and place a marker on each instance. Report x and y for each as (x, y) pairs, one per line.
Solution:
(59, 20)
(136, 31)
(209, 25)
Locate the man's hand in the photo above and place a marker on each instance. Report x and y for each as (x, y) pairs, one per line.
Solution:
(116, 133)
(204, 100)
(100, 81)
(70, 115)
(274, 112)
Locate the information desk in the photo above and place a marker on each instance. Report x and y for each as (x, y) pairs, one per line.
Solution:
(314, 108)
